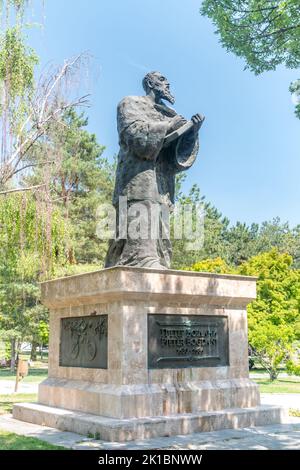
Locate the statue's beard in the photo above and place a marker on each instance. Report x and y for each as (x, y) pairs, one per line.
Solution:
(166, 95)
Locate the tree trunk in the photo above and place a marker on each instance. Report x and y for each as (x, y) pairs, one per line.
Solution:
(12, 354)
(33, 354)
(273, 374)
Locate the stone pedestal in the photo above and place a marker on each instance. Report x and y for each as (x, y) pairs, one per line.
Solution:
(138, 352)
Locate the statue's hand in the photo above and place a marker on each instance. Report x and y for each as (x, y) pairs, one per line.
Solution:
(197, 120)
(176, 123)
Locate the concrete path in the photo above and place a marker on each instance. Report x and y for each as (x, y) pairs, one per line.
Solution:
(287, 400)
(279, 437)
(283, 436)
(265, 375)
(8, 386)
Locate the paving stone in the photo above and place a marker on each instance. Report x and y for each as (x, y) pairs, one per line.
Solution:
(277, 437)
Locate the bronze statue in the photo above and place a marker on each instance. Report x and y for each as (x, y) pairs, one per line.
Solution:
(155, 144)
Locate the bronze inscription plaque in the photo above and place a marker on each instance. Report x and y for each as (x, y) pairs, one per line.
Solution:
(83, 342)
(180, 341)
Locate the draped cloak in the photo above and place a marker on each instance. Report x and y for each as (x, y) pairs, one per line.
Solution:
(146, 173)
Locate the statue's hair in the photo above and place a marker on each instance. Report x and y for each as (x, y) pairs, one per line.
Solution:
(148, 77)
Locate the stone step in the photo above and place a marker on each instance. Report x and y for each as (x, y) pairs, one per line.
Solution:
(121, 430)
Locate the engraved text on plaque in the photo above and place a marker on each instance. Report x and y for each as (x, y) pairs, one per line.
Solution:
(178, 341)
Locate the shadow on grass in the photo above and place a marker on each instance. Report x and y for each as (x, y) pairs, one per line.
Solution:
(6, 373)
(282, 385)
(7, 401)
(10, 441)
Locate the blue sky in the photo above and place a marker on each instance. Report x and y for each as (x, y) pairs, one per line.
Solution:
(249, 159)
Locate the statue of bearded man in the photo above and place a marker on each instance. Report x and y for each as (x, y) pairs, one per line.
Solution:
(155, 144)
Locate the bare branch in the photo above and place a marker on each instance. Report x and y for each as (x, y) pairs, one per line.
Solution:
(29, 188)
(57, 79)
(48, 105)
(30, 165)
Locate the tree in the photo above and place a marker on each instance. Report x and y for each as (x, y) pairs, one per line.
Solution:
(233, 243)
(26, 108)
(215, 226)
(266, 33)
(295, 90)
(275, 234)
(78, 183)
(216, 265)
(274, 315)
(240, 243)
(32, 245)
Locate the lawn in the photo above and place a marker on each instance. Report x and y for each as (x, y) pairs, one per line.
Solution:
(7, 401)
(10, 441)
(281, 385)
(34, 375)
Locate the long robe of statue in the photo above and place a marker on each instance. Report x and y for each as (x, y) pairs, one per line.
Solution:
(145, 175)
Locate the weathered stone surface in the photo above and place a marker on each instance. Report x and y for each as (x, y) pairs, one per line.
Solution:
(128, 389)
(141, 400)
(144, 428)
(175, 288)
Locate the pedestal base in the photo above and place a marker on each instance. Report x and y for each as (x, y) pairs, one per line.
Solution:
(141, 400)
(137, 353)
(120, 430)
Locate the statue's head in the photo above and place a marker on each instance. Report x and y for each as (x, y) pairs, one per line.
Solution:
(155, 83)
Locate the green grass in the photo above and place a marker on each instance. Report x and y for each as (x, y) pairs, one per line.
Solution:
(34, 375)
(281, 385)
(260, 370)
(10, 441)
(293, 412)
(7, 401)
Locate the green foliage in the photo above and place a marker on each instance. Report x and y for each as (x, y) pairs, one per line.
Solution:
(32, 237)
(32, 243)
(295, 90)
(264, 32)
(234, 243)
(293, 368)
(215, 226)
(272, 317)
(17, 66)
(216, 265)
(240, 242)
(73, 269)
(17, 63)
(42, 334)
(80, 180)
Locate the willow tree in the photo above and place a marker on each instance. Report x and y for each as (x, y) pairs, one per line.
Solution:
(31, 242)
(80, 180)
(27, 108)
(32, 246)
